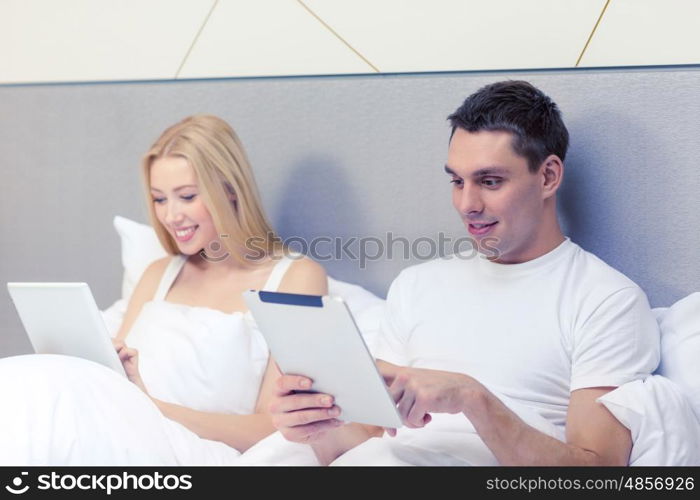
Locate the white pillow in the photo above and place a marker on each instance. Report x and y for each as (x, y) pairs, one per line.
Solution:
(663, 411)
(113, 316)
(140, 247)
(680, 346)
(366, 308)
(665, 430)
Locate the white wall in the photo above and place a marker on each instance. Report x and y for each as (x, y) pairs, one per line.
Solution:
(104, 40)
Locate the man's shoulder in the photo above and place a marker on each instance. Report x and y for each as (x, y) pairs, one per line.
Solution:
(592, 282)
(592, 269)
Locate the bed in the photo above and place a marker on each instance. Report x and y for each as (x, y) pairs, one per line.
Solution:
(362, 156)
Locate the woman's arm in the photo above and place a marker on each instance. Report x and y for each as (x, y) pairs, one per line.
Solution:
(238, 431)
(243, 431)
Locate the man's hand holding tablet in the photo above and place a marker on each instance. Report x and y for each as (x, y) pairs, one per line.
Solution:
(311, 418)
(329, 375)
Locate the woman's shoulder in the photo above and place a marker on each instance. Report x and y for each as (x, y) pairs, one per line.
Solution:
(153, 273)
(305, 265)
(157, 267)
(305, 275)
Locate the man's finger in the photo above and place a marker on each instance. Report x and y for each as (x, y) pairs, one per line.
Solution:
(396, 389)
(310, 432)
(294, 402)
(405, 405)
(417, 416)
(387, 370)
(289, 383)
(304, 417)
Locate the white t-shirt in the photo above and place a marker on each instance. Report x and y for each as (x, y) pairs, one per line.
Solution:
(533, 331)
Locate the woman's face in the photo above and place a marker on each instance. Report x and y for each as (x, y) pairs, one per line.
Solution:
(179, 206)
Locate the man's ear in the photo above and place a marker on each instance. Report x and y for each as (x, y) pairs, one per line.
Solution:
(552, 174)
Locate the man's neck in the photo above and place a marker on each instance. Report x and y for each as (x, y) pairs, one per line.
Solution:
(549, 237)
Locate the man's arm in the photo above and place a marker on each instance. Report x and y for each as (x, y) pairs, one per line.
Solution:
(593, 436)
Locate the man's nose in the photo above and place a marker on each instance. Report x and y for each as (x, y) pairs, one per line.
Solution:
(470, 200)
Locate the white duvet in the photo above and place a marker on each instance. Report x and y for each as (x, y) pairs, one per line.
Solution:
(448, 440)
(70, 411)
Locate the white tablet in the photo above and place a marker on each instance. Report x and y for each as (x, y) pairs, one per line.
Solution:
(317, 337)
(62, 318)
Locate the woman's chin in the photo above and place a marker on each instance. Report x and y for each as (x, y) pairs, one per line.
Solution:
(189, 249)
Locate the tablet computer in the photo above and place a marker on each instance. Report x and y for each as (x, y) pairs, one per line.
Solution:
(63, 318)
(317, 337)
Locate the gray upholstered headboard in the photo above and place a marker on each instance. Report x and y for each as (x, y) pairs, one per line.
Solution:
(347, 156)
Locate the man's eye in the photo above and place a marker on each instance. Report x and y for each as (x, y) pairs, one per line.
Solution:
(491, 181)
(456, 182)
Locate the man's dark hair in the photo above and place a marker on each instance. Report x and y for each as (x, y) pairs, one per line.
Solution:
(516, 107)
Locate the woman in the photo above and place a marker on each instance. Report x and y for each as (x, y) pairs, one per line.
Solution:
(187, 341)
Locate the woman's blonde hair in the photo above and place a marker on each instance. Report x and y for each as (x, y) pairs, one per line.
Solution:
(216, 154)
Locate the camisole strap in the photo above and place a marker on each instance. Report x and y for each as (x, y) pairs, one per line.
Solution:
(171, 272)
(278, 272)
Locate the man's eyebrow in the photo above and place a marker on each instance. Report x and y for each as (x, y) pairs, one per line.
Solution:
(491, 171)
(176, 189)
(481, 172)
(448, 170)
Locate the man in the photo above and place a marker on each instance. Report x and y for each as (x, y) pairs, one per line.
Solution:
(534, 318)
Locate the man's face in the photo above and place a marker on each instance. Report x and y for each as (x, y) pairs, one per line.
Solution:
(501, 203)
